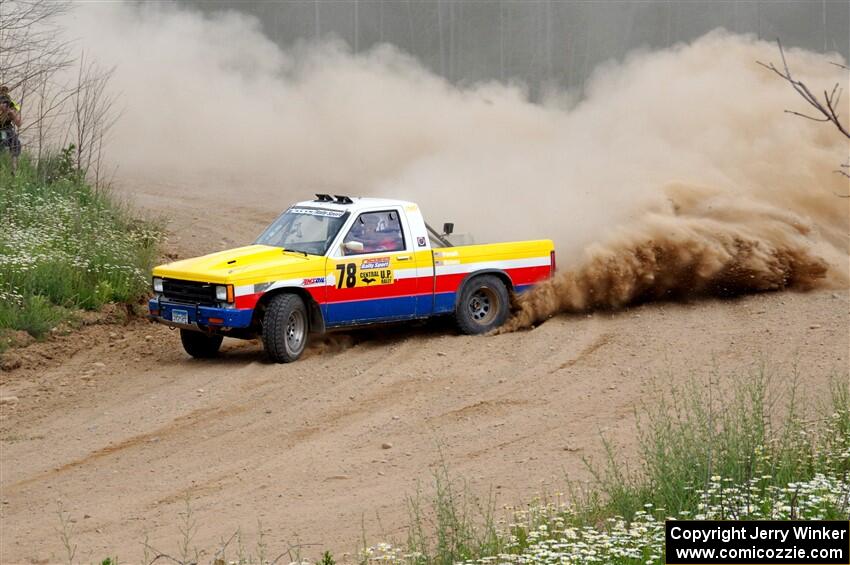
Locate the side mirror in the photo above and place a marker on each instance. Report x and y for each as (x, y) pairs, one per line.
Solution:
(448, 228)
(353, 246)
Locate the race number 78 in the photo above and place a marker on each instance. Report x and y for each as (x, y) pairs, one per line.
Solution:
(349, 272)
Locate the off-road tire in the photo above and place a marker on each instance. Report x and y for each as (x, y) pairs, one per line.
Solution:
(200, 345)
(285, 328)
(483, 306)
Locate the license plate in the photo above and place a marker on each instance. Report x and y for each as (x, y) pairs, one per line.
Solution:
(180, 316)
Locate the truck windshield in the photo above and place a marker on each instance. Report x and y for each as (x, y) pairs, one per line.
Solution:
(304, 229)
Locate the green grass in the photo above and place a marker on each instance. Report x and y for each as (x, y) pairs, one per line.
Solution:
(749, 452)
(754, 432)
(456, 526)
(65, 246)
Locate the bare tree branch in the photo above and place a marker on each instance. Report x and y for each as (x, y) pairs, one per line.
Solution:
(844, 173)
(58, 107)
(92, 113)
(826, 108)
(807, 117)
(32, 53)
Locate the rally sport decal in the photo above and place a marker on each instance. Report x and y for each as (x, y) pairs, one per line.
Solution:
(370, 273)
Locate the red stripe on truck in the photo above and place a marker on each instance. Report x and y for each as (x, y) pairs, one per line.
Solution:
(520, 276)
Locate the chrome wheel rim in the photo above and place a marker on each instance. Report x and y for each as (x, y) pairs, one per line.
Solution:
(483, 305)
(295, 329)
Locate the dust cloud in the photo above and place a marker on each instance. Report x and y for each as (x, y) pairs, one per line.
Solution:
(673, 173)
(702, 246)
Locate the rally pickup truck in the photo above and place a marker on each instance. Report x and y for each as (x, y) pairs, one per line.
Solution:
(340, 262)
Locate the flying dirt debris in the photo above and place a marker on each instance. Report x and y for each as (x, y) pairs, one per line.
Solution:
(704, 244)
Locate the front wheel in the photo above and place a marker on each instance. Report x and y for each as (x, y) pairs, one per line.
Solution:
(285, 328)
(200, 345)
(483, 305)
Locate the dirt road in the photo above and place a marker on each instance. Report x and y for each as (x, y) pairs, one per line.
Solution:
(121, 426)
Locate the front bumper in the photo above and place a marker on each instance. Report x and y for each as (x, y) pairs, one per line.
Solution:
(198, 316)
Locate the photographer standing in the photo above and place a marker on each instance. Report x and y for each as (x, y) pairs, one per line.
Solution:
(10, 121)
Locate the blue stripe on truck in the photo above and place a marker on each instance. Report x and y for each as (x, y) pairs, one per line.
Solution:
(372, 310)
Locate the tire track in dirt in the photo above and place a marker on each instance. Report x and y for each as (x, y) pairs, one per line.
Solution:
(179, 425)
(597, 344)
(489, 408)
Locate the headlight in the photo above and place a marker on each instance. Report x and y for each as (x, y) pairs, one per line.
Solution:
(224, 293)
(157, 284)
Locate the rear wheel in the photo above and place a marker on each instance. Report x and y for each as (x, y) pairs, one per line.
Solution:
(285, 328)
(200, 345)
(483, 305)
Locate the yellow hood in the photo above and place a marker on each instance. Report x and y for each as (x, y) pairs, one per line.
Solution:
(242, 265)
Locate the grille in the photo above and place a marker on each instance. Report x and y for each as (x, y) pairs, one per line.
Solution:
(189, 291)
